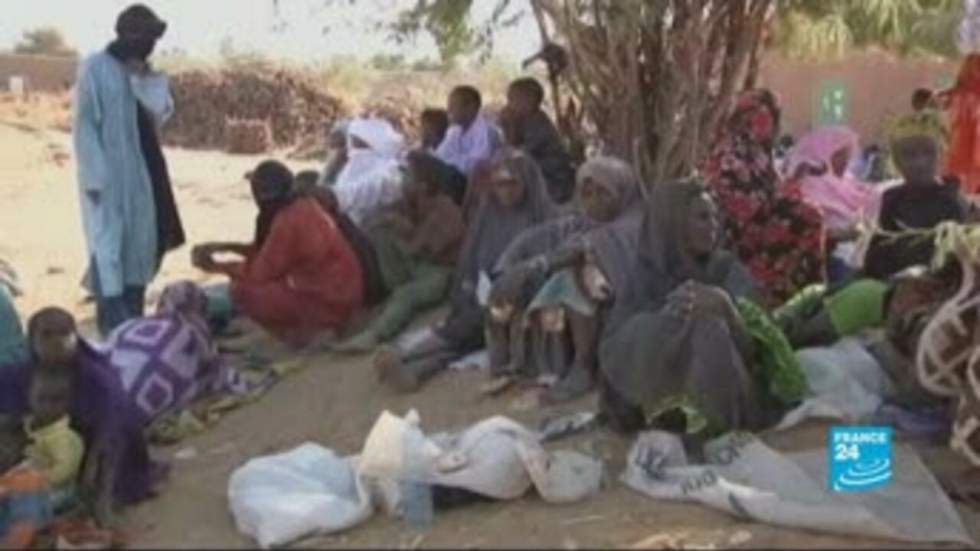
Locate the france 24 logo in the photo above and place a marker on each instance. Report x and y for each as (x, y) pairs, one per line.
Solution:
(860, 458)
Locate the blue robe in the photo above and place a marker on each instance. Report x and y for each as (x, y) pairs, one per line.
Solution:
(121, 227)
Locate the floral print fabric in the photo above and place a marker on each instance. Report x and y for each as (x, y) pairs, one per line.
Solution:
(774, 232)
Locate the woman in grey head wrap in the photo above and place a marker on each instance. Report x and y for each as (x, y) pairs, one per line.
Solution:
(547, 306)
(679, 336)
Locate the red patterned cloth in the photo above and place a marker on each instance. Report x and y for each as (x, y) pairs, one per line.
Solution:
(963, 106)
(774, 232)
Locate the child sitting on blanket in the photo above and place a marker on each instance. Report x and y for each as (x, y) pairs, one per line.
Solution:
(417, 246)
(25, 508)
(55, 449)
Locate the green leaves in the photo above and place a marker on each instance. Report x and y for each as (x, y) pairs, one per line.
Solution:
(831, 28)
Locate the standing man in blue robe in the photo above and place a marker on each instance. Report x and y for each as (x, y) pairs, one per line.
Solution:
(129, 215)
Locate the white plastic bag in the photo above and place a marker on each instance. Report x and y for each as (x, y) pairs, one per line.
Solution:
(498, 458)
(281, 498)
(744, 477)
(846, 381)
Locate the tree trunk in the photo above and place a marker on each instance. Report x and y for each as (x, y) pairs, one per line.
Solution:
(655, 78)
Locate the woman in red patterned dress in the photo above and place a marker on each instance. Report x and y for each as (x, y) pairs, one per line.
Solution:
(777, 235)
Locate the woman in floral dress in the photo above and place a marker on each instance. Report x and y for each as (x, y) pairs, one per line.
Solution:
(777, 235)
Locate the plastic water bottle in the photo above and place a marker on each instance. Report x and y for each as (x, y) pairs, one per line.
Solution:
(416, 506)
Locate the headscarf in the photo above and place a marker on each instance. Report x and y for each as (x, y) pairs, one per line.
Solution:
(664, 263)
(137, 30)
(494, 227)
(384, 146)
(756, 118)
(612, 174)
(272, 184)
(140, 19)
(184, 298)
(841, 199)
(741, 162)
(661, 260)
(51, 316)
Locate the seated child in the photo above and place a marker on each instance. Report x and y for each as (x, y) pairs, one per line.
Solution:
(55, 449)
(24, 505)
(417, 247)
(920, 202)
(538, 137)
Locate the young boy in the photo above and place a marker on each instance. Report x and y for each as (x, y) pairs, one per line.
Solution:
(24, 505)
(539, 138)
(470, 139)
(921, 202)
(417, 249)
(55, 449)
(434, 124)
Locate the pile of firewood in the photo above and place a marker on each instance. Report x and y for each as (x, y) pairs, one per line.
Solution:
(248, 137)
(292, 107)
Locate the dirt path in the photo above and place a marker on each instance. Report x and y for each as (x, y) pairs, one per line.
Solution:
(334, 401)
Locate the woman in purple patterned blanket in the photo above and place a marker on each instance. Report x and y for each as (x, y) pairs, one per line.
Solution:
(167, 360)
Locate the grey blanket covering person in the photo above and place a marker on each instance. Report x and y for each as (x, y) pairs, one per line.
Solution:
(649, 356)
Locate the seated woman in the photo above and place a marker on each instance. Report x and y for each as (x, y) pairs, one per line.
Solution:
(417, 246)
(517, 200)
(687, 335)
(159, 381)
(371, 179)
(117, 467)
(772, 229)
(539, 311)
(819, 165)
(921, 201)
(299, 278)
(374, 286)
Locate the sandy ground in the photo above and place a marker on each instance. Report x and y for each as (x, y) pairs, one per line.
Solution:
(335, 400)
